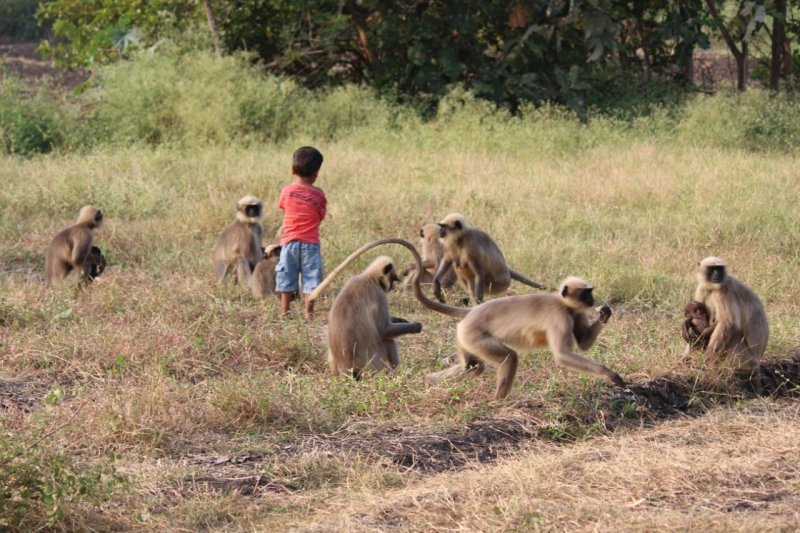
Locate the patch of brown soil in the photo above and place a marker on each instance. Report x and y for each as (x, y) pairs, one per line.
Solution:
(22, 60)
(25, 395)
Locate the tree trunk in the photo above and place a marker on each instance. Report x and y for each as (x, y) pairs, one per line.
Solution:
(212, 26)
(740, 55)
(778, 44)
(741, 69)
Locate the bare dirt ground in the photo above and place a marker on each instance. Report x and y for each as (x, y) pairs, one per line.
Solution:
(23, 61)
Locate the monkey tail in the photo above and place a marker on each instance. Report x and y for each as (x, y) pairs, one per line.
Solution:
(527, 281)
(457, 312)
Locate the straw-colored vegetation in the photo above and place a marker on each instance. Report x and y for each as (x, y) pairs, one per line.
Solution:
(186, 405)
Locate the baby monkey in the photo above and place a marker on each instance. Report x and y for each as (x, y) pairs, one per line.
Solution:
(697, 328)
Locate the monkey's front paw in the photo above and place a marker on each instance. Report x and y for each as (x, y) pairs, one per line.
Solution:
(605, 312)
(417, 327)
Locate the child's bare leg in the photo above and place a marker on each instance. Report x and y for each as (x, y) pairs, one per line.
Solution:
(286, 298)
(309, 307)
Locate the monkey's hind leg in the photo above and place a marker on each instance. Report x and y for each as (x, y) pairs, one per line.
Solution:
(500, 356)
(243, 271)
(468, 367)
(221, 269)
(391, 353)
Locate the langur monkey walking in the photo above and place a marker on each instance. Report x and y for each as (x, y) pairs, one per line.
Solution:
(239, 246)
(488, 332)
(361, 332)
(740, 323)
(477, 260)
(72, 248)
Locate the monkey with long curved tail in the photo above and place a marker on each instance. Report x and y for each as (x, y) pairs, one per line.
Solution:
(487, 333)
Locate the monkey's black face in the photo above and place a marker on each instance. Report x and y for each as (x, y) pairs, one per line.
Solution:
(715, 274)
(586, 297)
(390, 275)
(98, 217)
(253, 210)
(442, 231)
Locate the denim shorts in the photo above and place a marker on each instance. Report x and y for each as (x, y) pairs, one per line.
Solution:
(298, 259)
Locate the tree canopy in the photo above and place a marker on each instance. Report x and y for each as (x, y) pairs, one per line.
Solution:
(507, 51)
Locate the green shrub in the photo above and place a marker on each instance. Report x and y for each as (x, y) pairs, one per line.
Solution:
(28, 124)
(755, 120)
(37, 486)
(170, 96)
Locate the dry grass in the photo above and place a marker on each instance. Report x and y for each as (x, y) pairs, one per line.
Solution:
(732, 470)
(222, 415)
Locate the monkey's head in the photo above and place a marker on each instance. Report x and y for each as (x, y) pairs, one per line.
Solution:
(429, 232)
(712, 271)
(91, 216)
(382, 270)
(696, 310)
(248, 209)
(98, 262)
(273, 250)
(576, 293)
(453, 225)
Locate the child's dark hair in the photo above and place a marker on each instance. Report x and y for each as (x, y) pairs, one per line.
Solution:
(306, 161)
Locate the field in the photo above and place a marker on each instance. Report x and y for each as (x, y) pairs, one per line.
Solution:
(160, 400)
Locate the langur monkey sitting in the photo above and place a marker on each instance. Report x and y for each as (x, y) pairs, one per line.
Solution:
(361, 332)
(740, 323)
(239, 246)
(262, 282)
(477, 260)
(432, 253)
(72, 248)
(697, 327)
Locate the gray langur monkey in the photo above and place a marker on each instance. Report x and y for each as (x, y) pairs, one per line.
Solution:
(71, 248)
(488, 333)
(361, 332)
(696, 330)
(239, 246)
(96, 261)
(740, 323)
(432, 253)
(262, 282)
(476, 259)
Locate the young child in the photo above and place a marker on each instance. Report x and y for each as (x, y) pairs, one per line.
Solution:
(304, 207)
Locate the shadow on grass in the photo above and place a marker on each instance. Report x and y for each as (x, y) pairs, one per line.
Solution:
(640, 404)
(600, 410)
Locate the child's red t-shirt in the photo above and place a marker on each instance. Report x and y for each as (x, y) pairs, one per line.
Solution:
(304, 208)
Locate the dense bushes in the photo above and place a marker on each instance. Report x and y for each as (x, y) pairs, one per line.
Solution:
(172, 97)
(28, 124)
(196, 98)
(754, 120)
